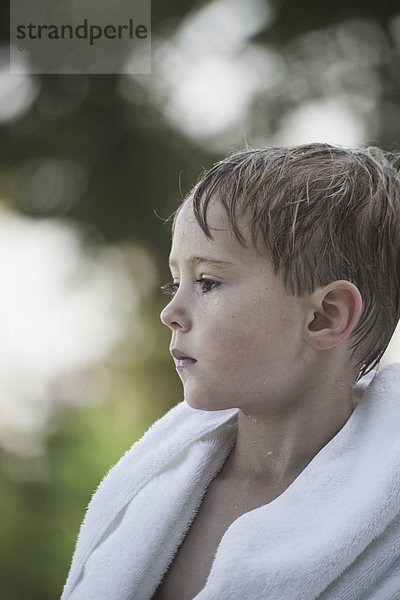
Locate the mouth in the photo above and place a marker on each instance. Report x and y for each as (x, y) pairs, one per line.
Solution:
(181, 359)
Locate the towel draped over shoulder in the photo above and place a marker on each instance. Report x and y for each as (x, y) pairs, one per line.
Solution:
(334, 533)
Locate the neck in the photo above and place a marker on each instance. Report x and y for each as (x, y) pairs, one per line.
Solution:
(275, 448)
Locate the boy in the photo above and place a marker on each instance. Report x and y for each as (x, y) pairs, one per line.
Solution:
(285, 266)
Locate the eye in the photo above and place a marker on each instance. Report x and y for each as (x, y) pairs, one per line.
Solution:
(170, 288)
(206, 284)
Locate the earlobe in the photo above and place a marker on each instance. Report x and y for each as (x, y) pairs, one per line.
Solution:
(333, 313)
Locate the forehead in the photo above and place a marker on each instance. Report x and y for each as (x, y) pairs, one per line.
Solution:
(189, 238)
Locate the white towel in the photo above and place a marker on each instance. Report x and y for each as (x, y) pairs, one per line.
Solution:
(333, 534)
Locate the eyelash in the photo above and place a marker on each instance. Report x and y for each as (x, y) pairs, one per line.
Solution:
(206, 285)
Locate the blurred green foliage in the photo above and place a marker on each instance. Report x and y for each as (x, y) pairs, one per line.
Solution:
(134, 165)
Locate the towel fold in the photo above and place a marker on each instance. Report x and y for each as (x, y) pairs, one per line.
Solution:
(334, 533)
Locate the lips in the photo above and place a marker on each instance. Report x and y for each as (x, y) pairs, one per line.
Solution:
(182, 359)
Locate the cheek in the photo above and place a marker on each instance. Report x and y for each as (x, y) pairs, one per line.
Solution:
(235, 341)
(250, 337)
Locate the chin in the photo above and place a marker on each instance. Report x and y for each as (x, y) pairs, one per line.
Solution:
(205, 402)
(198, 405)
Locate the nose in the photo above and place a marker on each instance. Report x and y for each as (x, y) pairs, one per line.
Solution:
(175, 315)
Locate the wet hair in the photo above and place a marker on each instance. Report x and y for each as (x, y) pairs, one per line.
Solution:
(322, 213)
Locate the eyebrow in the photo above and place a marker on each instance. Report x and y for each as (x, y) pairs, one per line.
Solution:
(206, 261)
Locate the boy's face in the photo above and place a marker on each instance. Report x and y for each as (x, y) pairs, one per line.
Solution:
(237, 336)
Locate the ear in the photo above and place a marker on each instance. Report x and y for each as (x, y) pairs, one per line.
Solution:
(333, 314)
